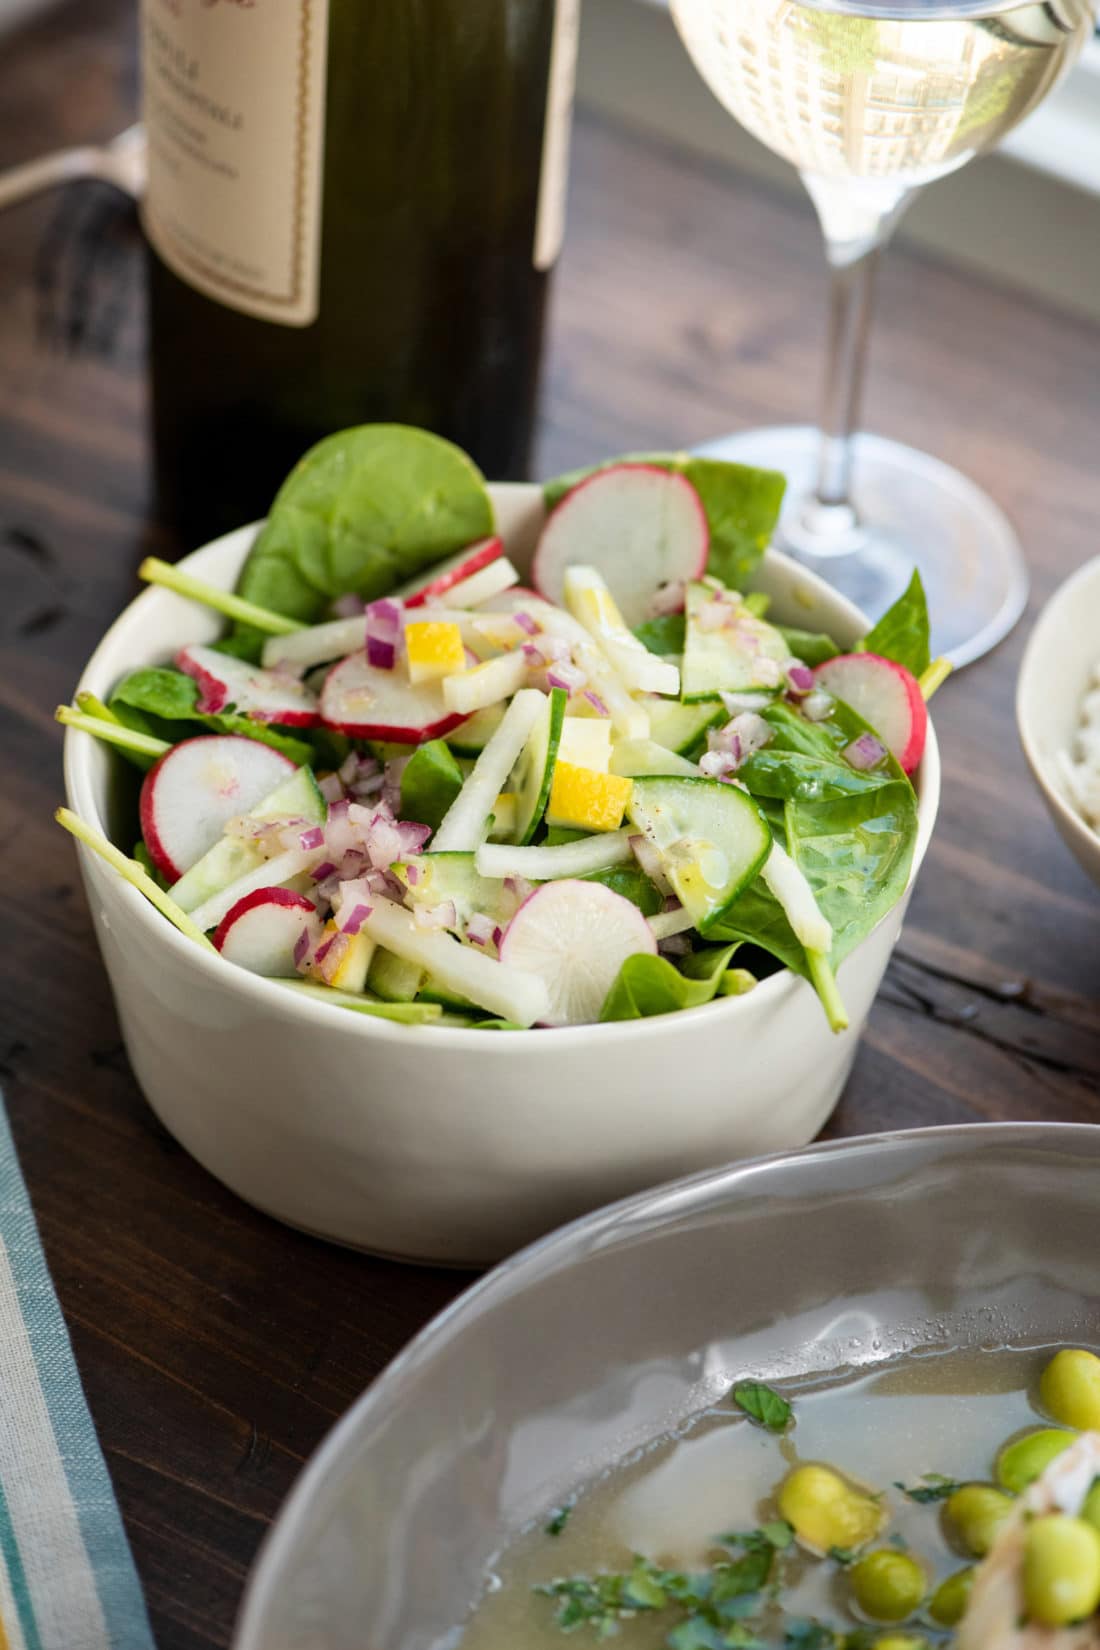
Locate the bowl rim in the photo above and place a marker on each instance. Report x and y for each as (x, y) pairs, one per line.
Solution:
(101, 669)
(1044, 629)
(558, 1251)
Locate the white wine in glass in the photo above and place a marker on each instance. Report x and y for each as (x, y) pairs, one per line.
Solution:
(871, 102)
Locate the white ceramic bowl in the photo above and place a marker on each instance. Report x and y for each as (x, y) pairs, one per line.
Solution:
(446, 1144)
(608, 1335)
(1057, 667)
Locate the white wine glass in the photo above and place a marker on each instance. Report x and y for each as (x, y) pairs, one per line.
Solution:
(871, 100)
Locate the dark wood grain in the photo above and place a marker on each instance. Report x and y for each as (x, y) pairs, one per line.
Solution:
(688, 302)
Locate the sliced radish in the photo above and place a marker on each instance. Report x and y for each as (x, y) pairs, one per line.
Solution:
(886, 695)
(273, 873)
(501, 989)
(434, 581)
(196, 788)
(575, 937)
(498, 576)
(640, 526)
(367, 703)
(233, 684)
(264, 932)
(320, 644)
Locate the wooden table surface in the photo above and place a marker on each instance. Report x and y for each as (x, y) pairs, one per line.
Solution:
(688, 301)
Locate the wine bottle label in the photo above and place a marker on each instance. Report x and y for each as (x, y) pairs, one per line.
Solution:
(234, 109)
(554, 174)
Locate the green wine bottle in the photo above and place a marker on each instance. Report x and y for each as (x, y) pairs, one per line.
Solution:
(352, 211)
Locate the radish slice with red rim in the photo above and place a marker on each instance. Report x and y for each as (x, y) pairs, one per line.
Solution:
(640, 526)
(228, 684)
(434, 581)
(886, 696)
(575, 936)
(268, 932)
(190, 795)
(365, 702)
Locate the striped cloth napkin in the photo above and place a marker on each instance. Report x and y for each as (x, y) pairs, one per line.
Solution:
(67, 1580)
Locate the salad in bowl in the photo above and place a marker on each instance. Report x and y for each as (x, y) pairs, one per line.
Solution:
(409, 780)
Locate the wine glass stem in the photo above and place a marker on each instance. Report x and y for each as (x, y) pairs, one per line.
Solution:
(857, 218)
(851, 295)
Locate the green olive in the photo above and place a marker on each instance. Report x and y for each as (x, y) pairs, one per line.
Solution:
(1090, 1507)
(1070, 1388)
(827, 1512)
(1061, 1570)
(975, 1513)
(947, 1606)
(887, 1585)
(1025, 1459)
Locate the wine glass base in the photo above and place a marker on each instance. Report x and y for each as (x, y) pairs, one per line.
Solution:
(912, 510)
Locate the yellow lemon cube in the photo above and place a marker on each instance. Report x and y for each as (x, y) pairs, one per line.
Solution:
(582, 800)
(434, 649)
(586, 742)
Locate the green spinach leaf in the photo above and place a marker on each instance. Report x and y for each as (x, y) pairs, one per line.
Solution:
(632, 883)
(855, 852)
(665, 635)
(902, 632)
(363, 510)
(741, 504)
(648, 985)
(932, 1487)
(813, 647)
(793, 775)
(430, 781)
(761, 1403)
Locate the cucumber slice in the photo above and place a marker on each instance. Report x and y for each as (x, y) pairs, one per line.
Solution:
(232, 858)
(641, 758)
(534, 772)
(432, 991)
(455, 877)
(471, 736)
(711, 837)
(392, 978)
(683, 728)
(728, 648)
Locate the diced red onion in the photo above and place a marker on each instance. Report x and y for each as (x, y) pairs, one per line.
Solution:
(717, 764)
(320, 872)
(800, 678)
(712, 615)
(650, 861)
(383, 632)
(349, 768)
(817, 705)
(358, 916)
(596, 702)
(370, 786)
(331, 787)
(323, 950)
(526, 623)
(564, 675)
(412, 873)
(532, 654)
(301, 946)
(381, 654)
(741, 736)
(338, 809)
(331, 956)
(865, 752)
(413, 836)
(480, 929)
(668, 598)
(384, 616)
(313, 838)
(498, 935)
(347, 607)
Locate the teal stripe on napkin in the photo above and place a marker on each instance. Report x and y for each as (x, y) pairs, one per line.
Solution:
(68, 1580)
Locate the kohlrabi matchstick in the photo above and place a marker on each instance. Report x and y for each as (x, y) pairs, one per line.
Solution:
(222, 601)
(112, 731)
(132, 872)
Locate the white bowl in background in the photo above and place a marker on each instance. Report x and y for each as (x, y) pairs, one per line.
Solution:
(439, 1143)
(1058, 663)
